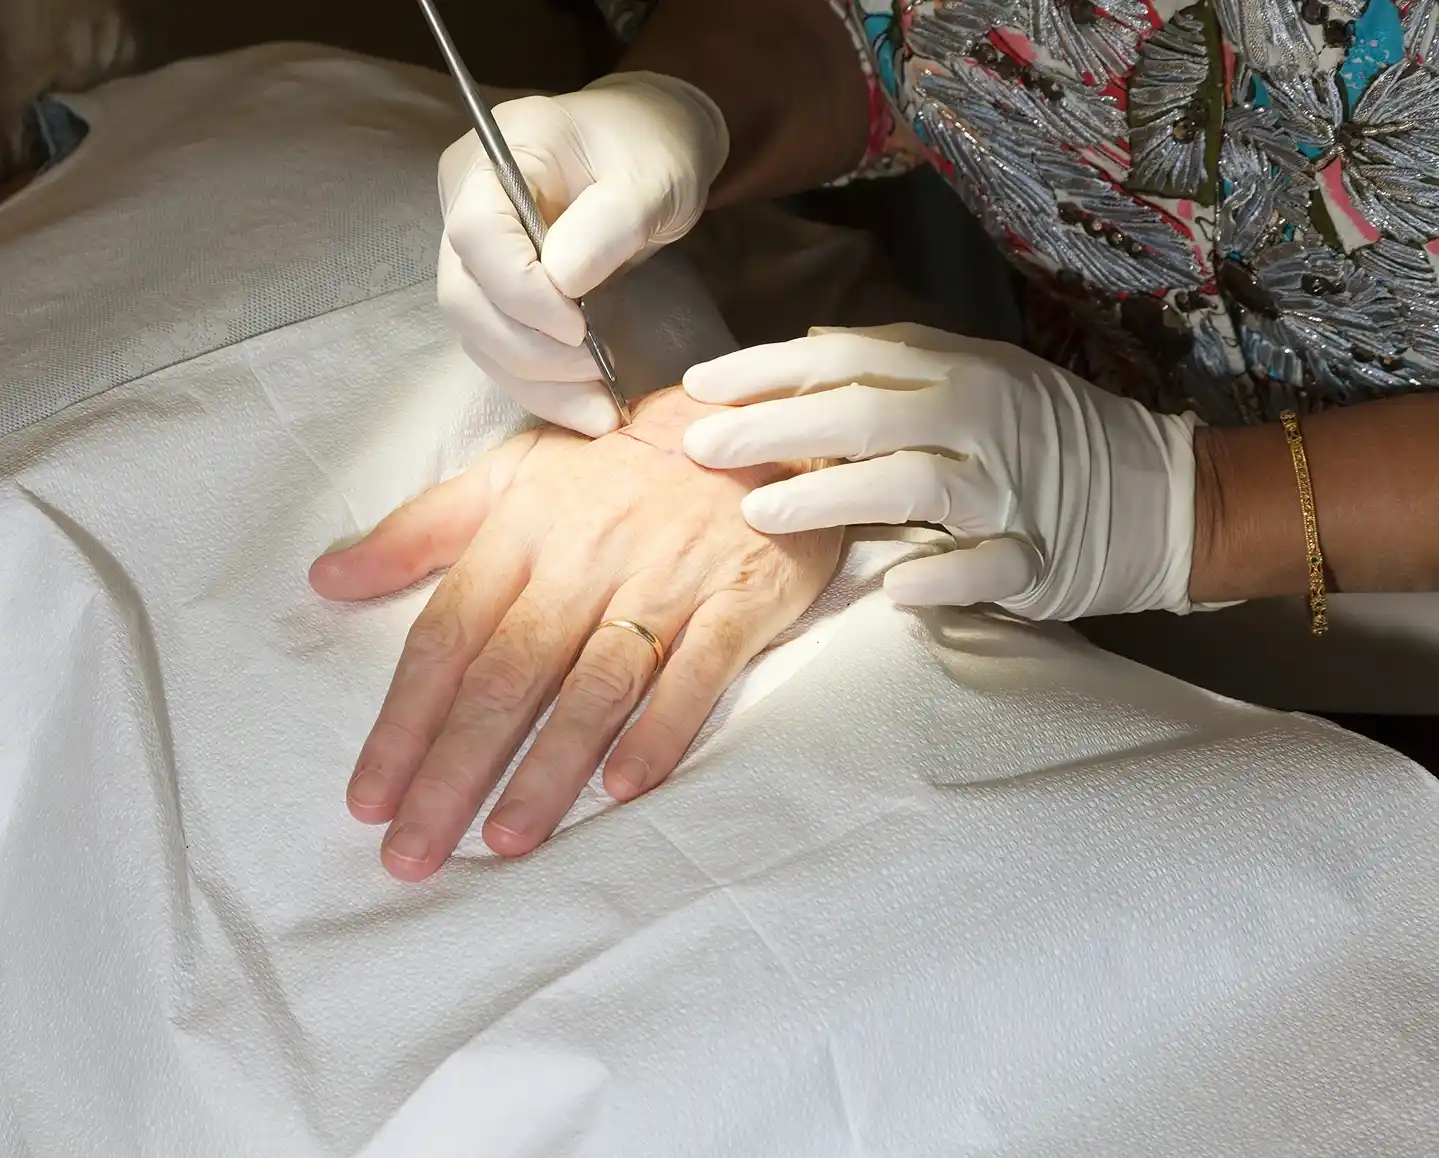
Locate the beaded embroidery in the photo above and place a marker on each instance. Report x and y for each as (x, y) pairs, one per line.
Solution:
(1231, 205)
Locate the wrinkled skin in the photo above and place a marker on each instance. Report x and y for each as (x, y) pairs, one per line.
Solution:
(546, 537)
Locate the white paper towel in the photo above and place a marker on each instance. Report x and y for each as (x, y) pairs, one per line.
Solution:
(212, 201)
(952, 886)
(936, 885)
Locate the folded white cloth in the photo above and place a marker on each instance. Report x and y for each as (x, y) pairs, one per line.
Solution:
(210, 202)
(937, 884)
(946, 885)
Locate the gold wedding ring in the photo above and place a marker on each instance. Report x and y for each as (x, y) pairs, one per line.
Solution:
(637, 629)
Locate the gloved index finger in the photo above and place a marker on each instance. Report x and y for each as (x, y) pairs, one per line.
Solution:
(484, 232)
(849, 422)
(806, 365)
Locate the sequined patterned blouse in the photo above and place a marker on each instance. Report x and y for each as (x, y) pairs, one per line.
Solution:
(1231, 206)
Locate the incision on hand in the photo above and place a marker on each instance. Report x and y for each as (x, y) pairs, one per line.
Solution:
(661, 419)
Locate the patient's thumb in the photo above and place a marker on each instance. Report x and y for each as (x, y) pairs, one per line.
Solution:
(421, 537)
(387, 560)
(607, 225)
(995, 570)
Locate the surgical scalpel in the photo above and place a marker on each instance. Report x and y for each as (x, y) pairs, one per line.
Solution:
(514, 184)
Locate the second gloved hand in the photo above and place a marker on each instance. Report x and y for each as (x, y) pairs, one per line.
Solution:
(1064, 500)
(619, 169)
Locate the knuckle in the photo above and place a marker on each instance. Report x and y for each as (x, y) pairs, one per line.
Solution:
(391, 741)
(601, 540)
(693, 677)
(864, 407)
(439, 633)
(475, 234)
(694, 686)
(665, 742)
(460, 149)
(515, 292)
(922, 472)
(934, 408)
(842, 353)
(751, 571)
(505, 344)
(728, 639)
(521, 117)
(441, 794)
(436, 637)
(451, 293)
(716, 656)
(465, 228)
(499, 681)
(605, 680)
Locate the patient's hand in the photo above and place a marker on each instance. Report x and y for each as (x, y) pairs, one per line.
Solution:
(550, 535)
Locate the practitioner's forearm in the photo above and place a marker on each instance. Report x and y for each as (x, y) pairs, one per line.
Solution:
(1375, 478)
(785, 75)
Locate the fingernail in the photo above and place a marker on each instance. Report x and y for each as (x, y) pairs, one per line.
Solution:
(513, 816)
(408, 842)
(632, 774)
(368, 790)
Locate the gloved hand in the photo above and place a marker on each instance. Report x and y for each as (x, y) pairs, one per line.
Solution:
(620, 168)
(1064, 500)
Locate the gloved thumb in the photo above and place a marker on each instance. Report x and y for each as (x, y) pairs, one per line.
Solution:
(995, 570)
(607, 225)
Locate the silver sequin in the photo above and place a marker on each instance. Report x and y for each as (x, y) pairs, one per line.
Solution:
(1269, 36)
(1390, 149)
(1080, 115)
(1418, 17)
(1168, 113)
(1103, 47)
(1339, 332)
(1266, 180)
(1207, 379)
(1016, 182)
(1409, 275)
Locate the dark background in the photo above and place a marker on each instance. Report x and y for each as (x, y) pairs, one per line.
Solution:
(497, 37)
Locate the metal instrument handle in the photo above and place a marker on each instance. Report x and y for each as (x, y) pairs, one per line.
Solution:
(513, 182)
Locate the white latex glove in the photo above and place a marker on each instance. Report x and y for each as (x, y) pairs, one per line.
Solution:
(1064, 500)
(620, 168)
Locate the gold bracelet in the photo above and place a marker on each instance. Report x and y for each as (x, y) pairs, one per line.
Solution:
(1318, 595)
